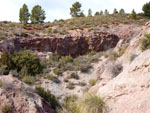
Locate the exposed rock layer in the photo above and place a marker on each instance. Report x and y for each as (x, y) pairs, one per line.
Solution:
(68, 45)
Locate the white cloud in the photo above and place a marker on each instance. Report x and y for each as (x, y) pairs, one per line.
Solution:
(57, 9)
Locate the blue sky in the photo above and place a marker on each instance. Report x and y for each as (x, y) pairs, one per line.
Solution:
(60, 9)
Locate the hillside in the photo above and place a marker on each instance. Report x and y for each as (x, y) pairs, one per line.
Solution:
(51, 67)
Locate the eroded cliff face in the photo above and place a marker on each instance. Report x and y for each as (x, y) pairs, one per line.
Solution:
(68, 45)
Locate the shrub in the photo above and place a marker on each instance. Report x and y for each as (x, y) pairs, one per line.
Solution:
(57, 71)
(52, 78)
(113, 56)
(27, 62)
(66, 80)
(1, 83)
(70, 104)
(92, 82)
(81, 83)
(28, 79)
(55, 31)
(48, 96)
(116, 69)
(6, 109)
(6, 62)
(74, 76)
(11, 25)
(132, 57)
(70, 86)
(66, 59)
(145, 42)
(122, 50)
(92, 104)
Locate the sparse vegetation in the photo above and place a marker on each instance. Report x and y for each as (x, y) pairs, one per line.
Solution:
(70, 86)
(82, 84)
(29, 79)
(92, 82)
(67, 63)
(1, 83)
(70, 105)
(74, 76)
(52, 78)
(145, 42)
(92, 104)
(48, 96)
(6, 109)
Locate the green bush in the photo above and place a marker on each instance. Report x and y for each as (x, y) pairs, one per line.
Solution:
(92, 82)
(48, 96)
(145, 42)
(92, 104)
(6, 62)
(6, 109)
(28, 79)
(28, 63)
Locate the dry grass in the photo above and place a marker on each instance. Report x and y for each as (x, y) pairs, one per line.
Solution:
(92, 104)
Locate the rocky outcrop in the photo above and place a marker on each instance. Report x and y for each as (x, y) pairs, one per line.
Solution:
(68, 45)
(21, 97)
(129, 91)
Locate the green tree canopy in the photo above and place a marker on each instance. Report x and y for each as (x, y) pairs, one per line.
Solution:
(115, 11)
(121, 11)
(101, 13)
(75, 11)
(89, 12)
(96, 14)
(146, 9)
(133, 14)
(24, 14)
(37, 15)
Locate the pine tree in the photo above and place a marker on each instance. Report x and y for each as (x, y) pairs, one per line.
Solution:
(96, 14)
(146, 9)
(89, 12)
(75, 11)
(133, 15)
(24, 14)
(101, 13)
(122, 12)
(37, 15)
(82, 14)
(115, 11)
(106, 12)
